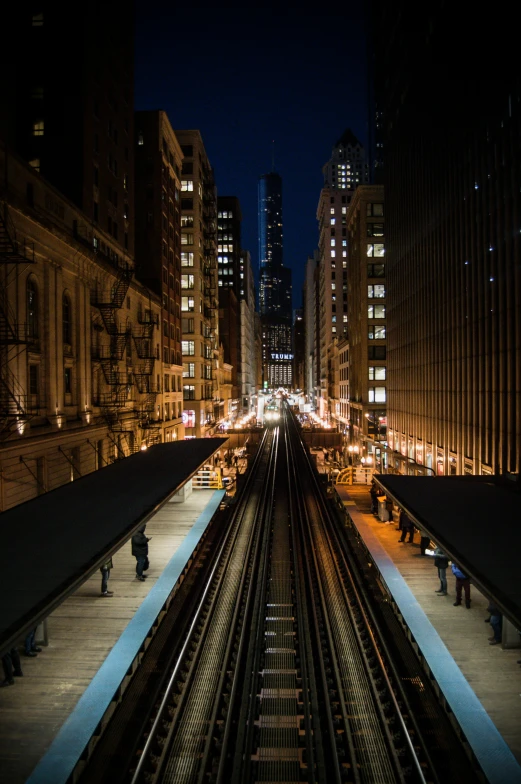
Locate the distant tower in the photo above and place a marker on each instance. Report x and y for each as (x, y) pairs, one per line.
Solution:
(275, 286)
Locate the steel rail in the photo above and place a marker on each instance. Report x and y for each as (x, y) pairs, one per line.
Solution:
(256, 589)
(303, 519)
(154, 730)
(336, 556)
(250, 643)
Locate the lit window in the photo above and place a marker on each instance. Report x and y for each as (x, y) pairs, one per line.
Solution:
(376, 333)
(187, 258)
(187, 281)
(376, 291)
(140, 139)
(377, 373)
(38, 127)
(187, 304)
(377, 394)
(187, 185)
(187, 239)
(378, 249)
(188, 347)
(333, 242)
(375, 311)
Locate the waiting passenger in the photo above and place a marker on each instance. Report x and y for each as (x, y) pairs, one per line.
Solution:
(30, 647)
(407, 527)
(105, 574)
(462, 583)
(441, 562)
(11, 665)
(140, 551)
(496, 622)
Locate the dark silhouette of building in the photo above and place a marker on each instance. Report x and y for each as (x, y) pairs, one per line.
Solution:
(67, 106)
(274, 286)
(450, 102)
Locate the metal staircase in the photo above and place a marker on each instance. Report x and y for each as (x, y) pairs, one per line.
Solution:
(15, 405)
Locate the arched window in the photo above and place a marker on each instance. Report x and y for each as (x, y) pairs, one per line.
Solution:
(32, 309)
(66, 320)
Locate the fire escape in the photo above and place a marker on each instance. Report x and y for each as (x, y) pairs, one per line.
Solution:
(144, 377)
(119, 418)
(16, 406)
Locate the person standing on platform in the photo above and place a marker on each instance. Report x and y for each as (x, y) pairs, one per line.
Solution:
(30, 647)
(140, 551)
(11, 665)
(441, 562)
(407, 527)
(496, 622)
(105, 574)
(462, 584)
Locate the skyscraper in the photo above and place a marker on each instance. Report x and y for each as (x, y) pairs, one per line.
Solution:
(343, 173)
(274, 286)
(452, 179)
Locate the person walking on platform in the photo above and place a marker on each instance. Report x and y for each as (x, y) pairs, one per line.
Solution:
(373, 492)
(105, 574)
(140, 551)
(441, 562)
(11, 665)
(407, 527)
(462, 584)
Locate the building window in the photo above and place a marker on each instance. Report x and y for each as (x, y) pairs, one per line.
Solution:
(188, 392)
(377, 394)
(38, 128)
(167, 383)
(375, 311)
(376, 270)
(375, 230)
(377, 373)
(376, 352)
(187, 185)
(66, 320)
(188, 348)
(187, 239)
(32, 309)
(376, 332)
(378, 249)
(188, 369)
(375, 210)
(187, 258)
(188, 325)
(376, 291)
(140, 139)
(67, 379)
(188, 304)
(34, 379)
(187, 281)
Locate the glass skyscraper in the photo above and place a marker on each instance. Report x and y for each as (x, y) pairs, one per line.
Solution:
(274, 286)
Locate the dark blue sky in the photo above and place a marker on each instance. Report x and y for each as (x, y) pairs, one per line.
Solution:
(245, 76)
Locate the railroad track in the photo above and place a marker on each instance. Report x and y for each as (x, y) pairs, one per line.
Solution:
(282, 671)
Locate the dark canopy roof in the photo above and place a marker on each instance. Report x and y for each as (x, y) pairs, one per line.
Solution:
(51, 545)
(477, 521)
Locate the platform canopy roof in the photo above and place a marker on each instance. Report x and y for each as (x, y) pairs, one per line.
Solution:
(476, 520)
(53, 543)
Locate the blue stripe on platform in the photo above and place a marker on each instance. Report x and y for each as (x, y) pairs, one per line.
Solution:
(495, 758)
(57, 765)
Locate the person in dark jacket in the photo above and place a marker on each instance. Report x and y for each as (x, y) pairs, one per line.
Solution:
(12, 666)
(462, 583)
(407, 527)
(441, 562)
(140, 551)
(373, 492)
(496, 622)
(105, 574)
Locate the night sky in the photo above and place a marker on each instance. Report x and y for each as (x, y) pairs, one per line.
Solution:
(245, 76)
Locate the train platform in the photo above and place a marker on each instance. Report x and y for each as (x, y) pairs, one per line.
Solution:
(481, 684)
(49, 714)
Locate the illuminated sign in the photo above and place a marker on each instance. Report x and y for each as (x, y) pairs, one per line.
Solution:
(189, 418)
(282, 356)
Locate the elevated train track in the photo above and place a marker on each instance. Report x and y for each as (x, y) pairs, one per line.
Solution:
(283, 663)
